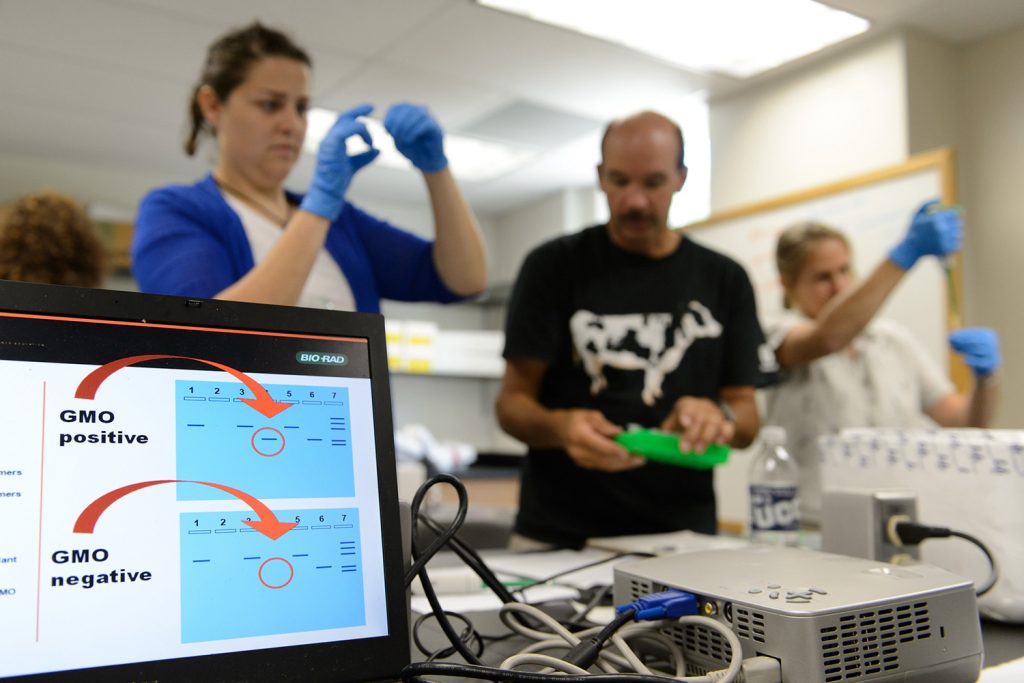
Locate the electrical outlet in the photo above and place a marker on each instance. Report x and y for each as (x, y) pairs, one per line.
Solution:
(854, 522)
(889, 504)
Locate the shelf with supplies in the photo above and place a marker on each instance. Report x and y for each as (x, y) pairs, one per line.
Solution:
(418, 347)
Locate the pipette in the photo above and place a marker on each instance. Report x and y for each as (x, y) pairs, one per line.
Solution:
(947, 266)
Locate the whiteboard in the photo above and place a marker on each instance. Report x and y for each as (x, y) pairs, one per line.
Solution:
(874, 211)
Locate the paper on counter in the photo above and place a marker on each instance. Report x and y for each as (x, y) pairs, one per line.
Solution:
(486, 600)
(669, 543)
(541, 565)
(1007, 672)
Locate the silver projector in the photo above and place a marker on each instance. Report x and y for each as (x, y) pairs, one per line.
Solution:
(824, 617)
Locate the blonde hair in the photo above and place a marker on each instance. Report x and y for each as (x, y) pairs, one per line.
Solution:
(47, 237)
(794, 244)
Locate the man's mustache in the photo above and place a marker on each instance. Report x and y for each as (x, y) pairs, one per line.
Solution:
(636, 216)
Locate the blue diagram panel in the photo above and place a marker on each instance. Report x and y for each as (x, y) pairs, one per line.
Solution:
(237, 583)
(302, 452)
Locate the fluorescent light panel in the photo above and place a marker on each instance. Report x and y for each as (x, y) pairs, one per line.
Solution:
(738, 38)
(470, 159)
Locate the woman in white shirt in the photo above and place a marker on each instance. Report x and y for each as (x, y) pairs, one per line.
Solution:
(840, 368)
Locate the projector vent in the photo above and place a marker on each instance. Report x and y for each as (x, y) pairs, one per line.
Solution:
(697, 640)
(749, 624)
(866, 644)
(638, 588)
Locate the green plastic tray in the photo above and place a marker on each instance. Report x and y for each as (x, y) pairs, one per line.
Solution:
(664, 447)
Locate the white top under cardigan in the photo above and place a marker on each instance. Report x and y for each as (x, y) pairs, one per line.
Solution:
(326, 286)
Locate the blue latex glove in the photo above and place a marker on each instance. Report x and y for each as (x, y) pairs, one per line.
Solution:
(334, 167)
(417, 136)
(979, 347)
(933, 231)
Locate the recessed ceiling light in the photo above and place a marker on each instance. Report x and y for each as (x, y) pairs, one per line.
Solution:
(738, 38)
(470, 159)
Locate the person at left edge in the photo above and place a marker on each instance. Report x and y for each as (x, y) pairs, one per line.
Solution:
(238, 234)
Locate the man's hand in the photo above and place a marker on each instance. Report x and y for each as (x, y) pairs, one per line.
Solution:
(587, 436)
(701, 423)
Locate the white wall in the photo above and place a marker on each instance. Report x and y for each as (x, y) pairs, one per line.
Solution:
(991, 99)
(518, 231)
(934, 94)
(117, 189)
(823, 122)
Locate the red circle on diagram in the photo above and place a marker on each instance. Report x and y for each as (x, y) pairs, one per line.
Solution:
(291, 572)
(263, 429)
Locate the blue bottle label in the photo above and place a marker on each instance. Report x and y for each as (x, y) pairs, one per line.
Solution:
(774, 507)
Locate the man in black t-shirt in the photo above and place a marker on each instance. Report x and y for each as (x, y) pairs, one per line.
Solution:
(619, 324)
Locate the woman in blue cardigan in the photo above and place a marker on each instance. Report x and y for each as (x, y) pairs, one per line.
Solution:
(238, 234)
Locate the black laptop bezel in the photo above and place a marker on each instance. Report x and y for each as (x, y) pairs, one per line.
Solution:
(362, 659)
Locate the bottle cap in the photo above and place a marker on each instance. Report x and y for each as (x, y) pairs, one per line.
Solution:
(774, 435)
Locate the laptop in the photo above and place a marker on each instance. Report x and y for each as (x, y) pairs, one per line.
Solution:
(195, 490)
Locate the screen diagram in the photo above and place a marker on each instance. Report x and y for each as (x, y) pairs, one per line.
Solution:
(180, 507)
(221, 437)
(257, 572)
(230, 569)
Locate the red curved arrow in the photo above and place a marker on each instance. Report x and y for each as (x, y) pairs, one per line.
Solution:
(263, 402)
(268, 524)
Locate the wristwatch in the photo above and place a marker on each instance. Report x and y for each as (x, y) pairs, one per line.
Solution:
(727, 411)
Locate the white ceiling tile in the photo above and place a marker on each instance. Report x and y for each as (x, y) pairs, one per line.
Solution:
(119, 36)
(452, 100)
(526, 123)
(91, 138)
(75, 87)
(140, 37)
(354, 27)
(549, 65)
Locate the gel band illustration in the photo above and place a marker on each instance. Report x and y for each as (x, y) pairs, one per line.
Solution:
(254, 572)
(236, 583)
(219, 438)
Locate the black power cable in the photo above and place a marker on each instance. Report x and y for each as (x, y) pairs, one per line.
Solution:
(469, 643)
(585, 653)
(911, 533)
(473, 560)
(468, 636)
(417, 670)
(420, 559)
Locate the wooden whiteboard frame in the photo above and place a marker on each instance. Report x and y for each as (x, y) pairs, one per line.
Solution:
(941, 160)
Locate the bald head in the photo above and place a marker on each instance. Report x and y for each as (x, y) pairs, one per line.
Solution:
(641, 170)
(645, 123)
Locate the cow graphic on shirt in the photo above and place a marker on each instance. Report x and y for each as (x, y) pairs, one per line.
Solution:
(611, 341)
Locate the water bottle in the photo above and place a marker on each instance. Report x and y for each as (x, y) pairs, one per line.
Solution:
(774, 511)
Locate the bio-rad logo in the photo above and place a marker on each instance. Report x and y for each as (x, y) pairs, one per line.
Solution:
(317, 358)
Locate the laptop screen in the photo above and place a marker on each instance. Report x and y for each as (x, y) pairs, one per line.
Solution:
(195, 489)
